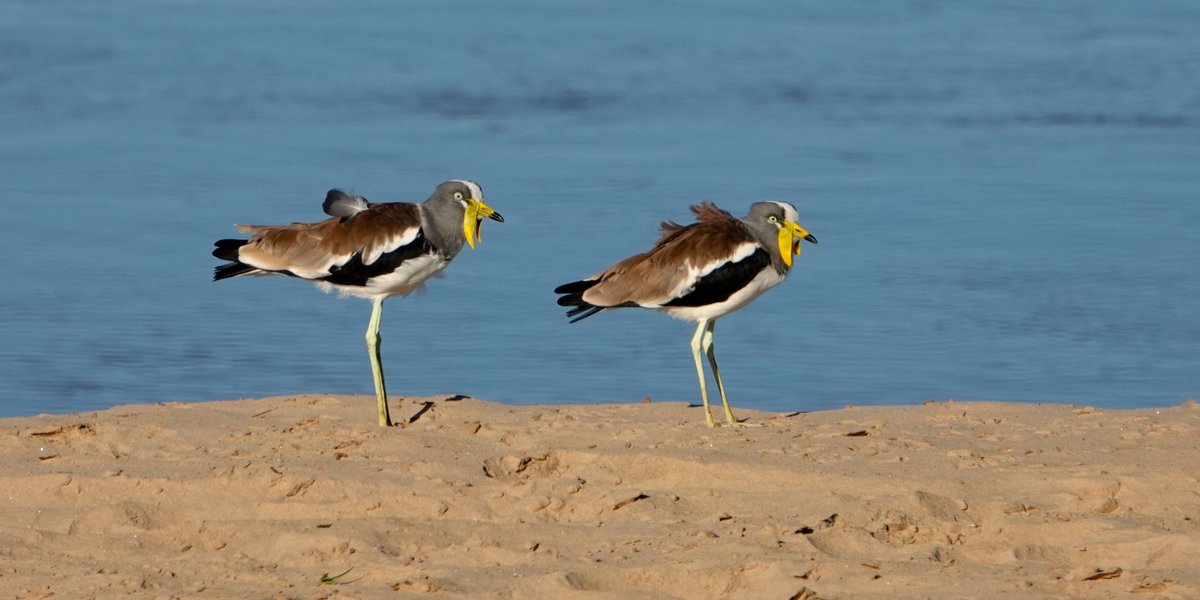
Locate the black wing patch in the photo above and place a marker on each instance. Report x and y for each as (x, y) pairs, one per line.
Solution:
(724, 281)
(354, 272)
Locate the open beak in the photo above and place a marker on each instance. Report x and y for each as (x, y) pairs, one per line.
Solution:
(789, 241)
(473, 216)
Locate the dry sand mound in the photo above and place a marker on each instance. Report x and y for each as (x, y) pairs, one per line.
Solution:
(277, 497)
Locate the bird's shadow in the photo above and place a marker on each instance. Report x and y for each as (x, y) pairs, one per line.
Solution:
(428, 406)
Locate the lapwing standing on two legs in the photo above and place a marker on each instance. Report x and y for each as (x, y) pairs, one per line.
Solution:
(365, 249)
(699, 272)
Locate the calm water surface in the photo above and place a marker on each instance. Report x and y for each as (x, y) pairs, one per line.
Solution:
(1007, 195)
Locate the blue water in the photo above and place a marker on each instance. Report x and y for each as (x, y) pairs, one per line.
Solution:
(1007, 195)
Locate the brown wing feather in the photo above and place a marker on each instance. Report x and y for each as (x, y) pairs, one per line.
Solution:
(667, 229)
(650, 277)
(706, 212)
(310, 249)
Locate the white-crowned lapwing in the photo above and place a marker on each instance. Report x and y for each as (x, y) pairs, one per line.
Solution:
(699, 272)
(365, 249)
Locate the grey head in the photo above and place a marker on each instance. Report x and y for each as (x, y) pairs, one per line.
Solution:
(443, 215)
(766, 220)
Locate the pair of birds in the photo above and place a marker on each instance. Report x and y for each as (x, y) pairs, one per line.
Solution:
(698, 272)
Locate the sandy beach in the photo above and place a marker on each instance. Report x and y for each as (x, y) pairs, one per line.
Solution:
(305, 497)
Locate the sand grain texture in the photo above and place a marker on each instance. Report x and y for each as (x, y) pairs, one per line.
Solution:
(262, 498)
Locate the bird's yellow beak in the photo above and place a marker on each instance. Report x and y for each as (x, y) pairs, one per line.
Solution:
(473, 216)
(790, 235)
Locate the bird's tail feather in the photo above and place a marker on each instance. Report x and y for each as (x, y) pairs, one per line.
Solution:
(232, 269)
(228, 250)
(573, 297)
(587, 310)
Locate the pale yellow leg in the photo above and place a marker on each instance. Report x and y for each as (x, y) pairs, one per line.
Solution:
(696, 341)
(373, 342)
(707, 344)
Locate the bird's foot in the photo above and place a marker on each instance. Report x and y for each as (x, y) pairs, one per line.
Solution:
(742, 424)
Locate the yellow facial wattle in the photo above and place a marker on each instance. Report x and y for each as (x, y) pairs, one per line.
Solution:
(785, 243)
(471, 222)
(790, 236)
(474, 214)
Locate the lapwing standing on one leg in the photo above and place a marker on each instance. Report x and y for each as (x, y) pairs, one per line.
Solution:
(700, 273)
(365, 249)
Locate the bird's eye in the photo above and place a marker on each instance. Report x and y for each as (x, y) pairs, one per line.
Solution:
(458, 196)
(772, 219)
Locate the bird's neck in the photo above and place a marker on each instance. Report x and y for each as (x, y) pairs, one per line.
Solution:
(442, 225)
(769, 240)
